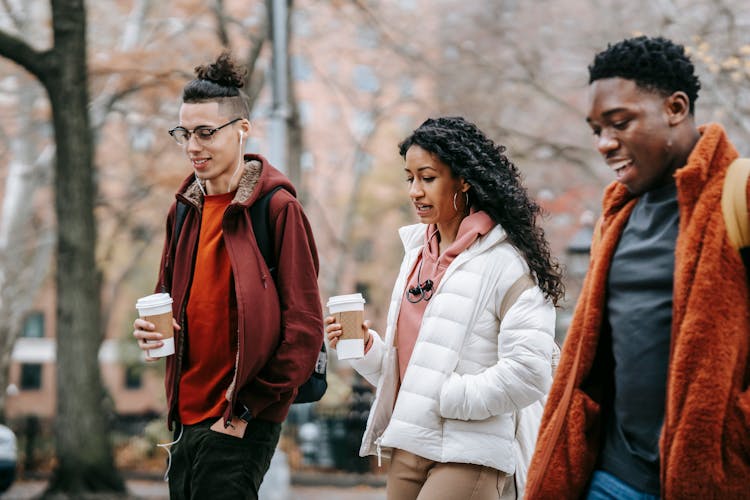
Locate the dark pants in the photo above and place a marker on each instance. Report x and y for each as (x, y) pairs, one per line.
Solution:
(210, 465)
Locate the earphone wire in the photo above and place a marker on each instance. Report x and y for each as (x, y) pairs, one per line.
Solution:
(421, 288)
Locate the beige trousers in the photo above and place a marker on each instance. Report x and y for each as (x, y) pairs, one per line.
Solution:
(412, 477)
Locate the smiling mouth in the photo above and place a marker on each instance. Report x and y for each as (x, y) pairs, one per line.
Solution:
(199, 162)
(619, 167)
(422, 208)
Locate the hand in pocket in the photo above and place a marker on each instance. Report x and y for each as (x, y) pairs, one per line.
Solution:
(235, 428)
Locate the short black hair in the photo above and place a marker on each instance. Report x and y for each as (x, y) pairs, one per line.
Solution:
(653, 63)
(219, 81)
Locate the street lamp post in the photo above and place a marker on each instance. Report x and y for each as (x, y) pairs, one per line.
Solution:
(280, 110)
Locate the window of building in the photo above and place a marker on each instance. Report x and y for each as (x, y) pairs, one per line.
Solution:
(363, 288)
(133, 377)
(31, 376)
(33, 326)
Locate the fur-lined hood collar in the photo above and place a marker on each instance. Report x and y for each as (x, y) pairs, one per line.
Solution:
(258, 178)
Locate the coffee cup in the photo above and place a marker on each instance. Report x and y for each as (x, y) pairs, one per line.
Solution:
(349, 311)
(157, 309)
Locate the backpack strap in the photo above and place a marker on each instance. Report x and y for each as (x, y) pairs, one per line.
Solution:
(734, 203)
(262, 229)
(179, 220)
(514, 292)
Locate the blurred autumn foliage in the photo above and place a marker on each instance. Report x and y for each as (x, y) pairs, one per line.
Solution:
(364, 74)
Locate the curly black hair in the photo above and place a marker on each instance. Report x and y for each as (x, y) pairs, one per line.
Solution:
(496, 189)
(654, 63)
(219, 81)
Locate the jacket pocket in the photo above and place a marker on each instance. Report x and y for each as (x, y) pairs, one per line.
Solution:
(585, 410)
(575, 450)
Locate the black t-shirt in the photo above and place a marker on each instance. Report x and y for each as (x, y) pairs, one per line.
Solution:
(639, 306)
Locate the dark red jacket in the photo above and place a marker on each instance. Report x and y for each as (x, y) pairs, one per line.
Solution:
(278, 324)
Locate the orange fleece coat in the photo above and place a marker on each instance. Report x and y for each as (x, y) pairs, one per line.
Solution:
(705, 439)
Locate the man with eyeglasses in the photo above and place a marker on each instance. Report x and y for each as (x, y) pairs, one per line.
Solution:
(245, 339)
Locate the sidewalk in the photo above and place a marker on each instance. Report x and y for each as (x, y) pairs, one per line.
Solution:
(143, 489)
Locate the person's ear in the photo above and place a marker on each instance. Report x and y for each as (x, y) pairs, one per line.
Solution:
(244, 129)
(465, 186)
(677, 107)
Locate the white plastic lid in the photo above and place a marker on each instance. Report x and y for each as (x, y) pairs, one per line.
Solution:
(157, 303)
(350, 302)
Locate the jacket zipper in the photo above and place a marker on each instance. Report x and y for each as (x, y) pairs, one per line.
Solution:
(232, 389)
(180, 355)
(174, 410)
(454, 265)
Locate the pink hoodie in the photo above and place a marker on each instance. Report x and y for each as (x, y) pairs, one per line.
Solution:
(433, 266)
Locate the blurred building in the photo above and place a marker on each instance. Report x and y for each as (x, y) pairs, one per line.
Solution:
(134, 389)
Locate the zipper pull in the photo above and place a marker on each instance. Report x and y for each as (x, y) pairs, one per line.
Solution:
(377, 444)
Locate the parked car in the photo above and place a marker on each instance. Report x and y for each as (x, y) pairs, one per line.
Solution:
(8, 457)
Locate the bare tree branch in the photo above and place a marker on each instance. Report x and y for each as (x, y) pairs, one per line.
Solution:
(17, 50)
(221, 22)
(255, 79)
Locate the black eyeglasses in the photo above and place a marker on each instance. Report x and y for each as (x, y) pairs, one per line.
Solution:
(203, 134)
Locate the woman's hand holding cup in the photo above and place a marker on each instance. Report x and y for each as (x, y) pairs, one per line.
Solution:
(334, 331)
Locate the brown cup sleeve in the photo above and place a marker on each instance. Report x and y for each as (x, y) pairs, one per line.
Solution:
(163, 324)
(351, 324)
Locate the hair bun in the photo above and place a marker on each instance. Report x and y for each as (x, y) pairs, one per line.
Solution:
(224, 72)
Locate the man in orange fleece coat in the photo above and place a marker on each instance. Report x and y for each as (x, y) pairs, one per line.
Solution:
(651, 397)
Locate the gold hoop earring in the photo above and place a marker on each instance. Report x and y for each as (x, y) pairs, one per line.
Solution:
(466, 203)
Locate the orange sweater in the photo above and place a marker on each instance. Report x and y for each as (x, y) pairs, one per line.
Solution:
(212, 347)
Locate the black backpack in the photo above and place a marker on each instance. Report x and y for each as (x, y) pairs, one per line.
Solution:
(315, 386)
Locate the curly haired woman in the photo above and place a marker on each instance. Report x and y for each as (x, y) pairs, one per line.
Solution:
(469, 339)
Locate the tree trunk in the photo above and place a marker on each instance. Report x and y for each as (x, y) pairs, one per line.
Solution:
(84, 452)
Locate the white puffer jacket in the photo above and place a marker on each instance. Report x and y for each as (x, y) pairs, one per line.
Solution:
(469, 373)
